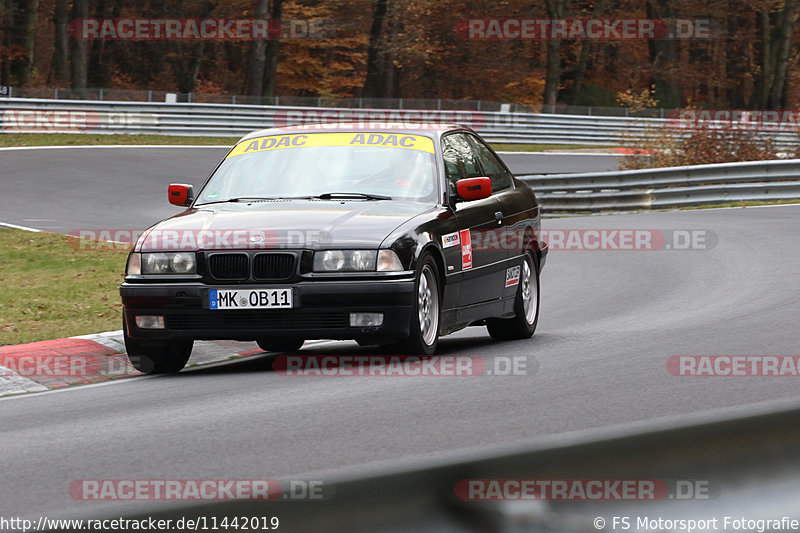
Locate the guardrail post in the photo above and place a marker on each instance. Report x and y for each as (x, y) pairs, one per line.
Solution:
(101, 94)
(149, 96)
(55, 93)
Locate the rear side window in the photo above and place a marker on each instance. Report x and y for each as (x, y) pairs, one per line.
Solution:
(492, 167)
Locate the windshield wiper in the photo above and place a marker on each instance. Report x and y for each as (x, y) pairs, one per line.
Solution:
(365, 196)
(256, 198)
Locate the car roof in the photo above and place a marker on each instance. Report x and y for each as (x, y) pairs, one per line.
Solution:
(427, 130)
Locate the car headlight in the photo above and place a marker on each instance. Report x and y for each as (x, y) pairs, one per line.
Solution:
(345, 260)
(328, 260)
(182, 263)
(166, 263)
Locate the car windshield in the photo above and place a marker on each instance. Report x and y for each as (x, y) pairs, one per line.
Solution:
(364, 165)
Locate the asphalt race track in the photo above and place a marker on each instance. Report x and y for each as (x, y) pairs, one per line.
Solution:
(609, 322)
(65, 189)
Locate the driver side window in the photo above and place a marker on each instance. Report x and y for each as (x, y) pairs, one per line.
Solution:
(492, 168)
(459, 159)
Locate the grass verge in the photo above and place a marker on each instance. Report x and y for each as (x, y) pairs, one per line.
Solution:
(52, 289)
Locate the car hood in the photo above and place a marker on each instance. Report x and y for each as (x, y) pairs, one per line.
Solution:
(308, 224)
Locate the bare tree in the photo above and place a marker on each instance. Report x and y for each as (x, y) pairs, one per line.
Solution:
(664, 57)
(61, 52)
(271, 53)
(255, 74)
(584, 58)
(79, 49)
(376, 77)
(782, 46)
(6, 23)
(186, 58)
(552, 81)
(21, 35)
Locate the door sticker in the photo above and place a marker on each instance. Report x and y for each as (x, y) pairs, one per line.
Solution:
(466, 249)
(512, 276)
(451, 239)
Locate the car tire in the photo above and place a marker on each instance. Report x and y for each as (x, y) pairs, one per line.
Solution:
(424, 330)
(526, 306)
(280, 344)
(164, 358)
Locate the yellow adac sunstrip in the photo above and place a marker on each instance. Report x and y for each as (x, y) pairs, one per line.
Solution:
(304, 140)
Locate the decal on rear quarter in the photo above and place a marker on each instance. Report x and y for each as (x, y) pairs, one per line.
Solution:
(512, 276)
(466, 249)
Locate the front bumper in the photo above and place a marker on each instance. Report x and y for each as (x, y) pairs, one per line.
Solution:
(321, 311)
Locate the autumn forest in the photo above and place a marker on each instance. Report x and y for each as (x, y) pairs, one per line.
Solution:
(744, 58)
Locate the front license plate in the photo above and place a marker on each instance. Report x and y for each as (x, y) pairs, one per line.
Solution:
(250, 299)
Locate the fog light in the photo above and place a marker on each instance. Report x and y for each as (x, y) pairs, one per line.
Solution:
(150, 322)
(366, 320)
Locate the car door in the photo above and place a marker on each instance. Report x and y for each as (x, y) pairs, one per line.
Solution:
(482, 268)
(518, 213)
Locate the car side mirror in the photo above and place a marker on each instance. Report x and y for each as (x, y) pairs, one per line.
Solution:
(180, 194)
(474, 188)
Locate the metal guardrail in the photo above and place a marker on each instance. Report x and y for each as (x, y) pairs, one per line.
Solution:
(745, 464)
(38, 115)
(86, 116)
(668, 187)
